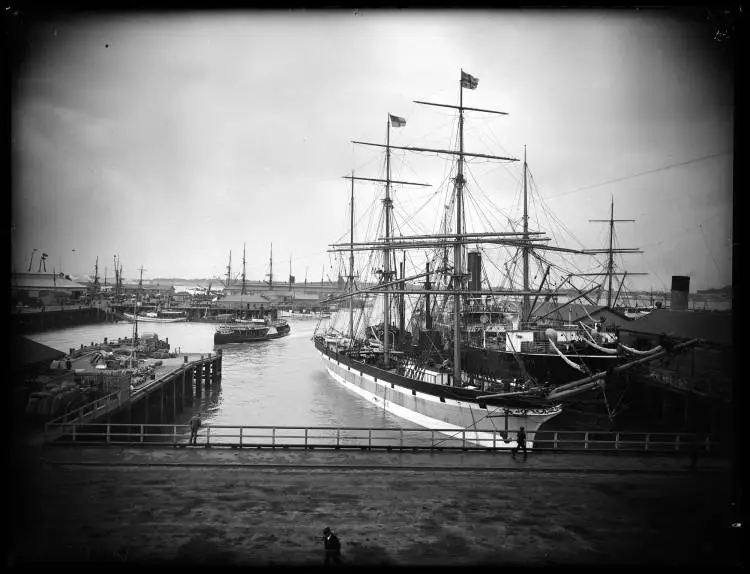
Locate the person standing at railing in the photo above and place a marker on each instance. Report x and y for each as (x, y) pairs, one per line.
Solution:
(520, 443)
(195, 424)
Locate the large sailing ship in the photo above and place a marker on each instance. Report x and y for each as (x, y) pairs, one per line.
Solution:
(483, 360)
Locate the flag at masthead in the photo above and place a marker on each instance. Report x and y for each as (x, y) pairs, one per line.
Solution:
(469, 81)
(397, 122)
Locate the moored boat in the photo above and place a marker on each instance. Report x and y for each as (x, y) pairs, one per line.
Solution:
(157, 317)
(472, 358)
(250, 330)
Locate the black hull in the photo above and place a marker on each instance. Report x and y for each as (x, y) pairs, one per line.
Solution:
(435, 390)
(239, 337)
(543, 367)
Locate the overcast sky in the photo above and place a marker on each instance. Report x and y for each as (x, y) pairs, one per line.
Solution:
(171, 140)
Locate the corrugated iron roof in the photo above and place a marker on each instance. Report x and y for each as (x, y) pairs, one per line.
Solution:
(711, 326)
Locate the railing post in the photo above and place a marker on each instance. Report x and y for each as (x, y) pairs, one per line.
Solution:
(463, 439)
(241, 429)
(401, 440)
(107, 433)
(677, 442)
(208, 436)
(708, 444)
(617, 441)
(174, 434)
(432, 438)
(586, 440)
(645, 444)
(369, 439)
(338, 437)
(494, 441)
(141, 432)
(273, 437)
(74, 432)
(306, 429)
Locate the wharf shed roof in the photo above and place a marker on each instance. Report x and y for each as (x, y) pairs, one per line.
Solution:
(302, 296)
(27, 353)
(711, 326)
(45, 281)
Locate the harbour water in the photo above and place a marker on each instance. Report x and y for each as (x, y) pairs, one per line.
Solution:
(280, 382)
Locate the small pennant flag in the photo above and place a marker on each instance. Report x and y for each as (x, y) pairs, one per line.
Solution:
(397, 122)
(469, 81)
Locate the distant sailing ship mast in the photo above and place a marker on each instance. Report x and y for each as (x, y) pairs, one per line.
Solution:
(229, 272)
(270, 271)
(96, 275)
(610, 272)
(244, 292)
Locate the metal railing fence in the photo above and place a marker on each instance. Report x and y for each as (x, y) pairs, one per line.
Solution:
(365, 438)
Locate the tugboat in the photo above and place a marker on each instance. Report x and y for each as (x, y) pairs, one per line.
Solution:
(250, 330)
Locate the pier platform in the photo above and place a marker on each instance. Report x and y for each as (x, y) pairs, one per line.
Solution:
(261, 507)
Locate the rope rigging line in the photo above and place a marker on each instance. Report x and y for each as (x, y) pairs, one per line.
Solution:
(648, 172)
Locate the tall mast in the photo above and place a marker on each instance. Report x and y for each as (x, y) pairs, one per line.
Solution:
(611, 251)
(402, 301)
(243, 268)
(525, 307)
(394, 121)
(96, 273)
(135, 312)
(427, 316)
(457, 268)
(387, 203)
(270, 273)
(611, 262)
(466, 81)
(229, 270)
(351, 263)
(290, 271)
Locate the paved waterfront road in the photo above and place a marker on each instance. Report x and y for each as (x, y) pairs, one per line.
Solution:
(260, 507)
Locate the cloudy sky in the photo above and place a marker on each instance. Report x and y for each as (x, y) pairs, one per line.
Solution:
(170, 140)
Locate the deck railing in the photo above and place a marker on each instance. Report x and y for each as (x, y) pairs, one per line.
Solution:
(364, 438)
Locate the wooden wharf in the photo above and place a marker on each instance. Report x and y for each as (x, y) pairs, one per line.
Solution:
(173, 386)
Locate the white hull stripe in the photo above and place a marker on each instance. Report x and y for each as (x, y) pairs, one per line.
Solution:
(480, 438)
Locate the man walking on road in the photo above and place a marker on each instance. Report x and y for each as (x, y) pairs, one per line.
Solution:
(521, 443)
(332, 547)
